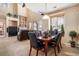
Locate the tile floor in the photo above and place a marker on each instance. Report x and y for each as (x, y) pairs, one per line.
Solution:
(10, 46)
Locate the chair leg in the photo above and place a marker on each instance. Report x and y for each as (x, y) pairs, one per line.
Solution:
(55, 51)
(60, 45)
(58, 48)
(45, 52)
(30, 50)
(37, 52)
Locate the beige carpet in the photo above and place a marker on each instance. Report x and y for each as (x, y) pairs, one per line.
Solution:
(10, 46)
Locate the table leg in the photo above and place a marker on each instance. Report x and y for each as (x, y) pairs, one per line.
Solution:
(46, 47)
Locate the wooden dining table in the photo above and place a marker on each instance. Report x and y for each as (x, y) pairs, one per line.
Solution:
(46, 40)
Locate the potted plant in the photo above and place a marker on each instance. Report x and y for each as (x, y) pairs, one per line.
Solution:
(16, 16)
(62, 30)
(9, 14)
(72, 34)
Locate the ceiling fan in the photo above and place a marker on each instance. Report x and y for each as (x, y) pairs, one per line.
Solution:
(44, 13)
(23, 5)
(41, 13)
(45, 10)
(45, 16)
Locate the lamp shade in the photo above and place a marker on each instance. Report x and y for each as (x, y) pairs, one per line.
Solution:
(46, 17)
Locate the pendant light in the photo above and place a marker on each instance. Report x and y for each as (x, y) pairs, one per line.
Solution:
(45, 16)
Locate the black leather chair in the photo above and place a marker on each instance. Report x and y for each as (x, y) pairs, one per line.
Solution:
(55, 44)
(51, 33)
(38, 33)
(35, 43)
(55, 32)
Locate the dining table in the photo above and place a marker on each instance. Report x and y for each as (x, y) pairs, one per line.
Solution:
(46, 40)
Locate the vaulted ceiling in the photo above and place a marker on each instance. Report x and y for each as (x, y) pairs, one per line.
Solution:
(48, 7)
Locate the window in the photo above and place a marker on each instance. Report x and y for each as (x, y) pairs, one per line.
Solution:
(32, 25)
(35, 26)
(40, 25)
(3, 7)
(57, 22)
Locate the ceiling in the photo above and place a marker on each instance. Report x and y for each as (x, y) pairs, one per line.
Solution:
(48, 7)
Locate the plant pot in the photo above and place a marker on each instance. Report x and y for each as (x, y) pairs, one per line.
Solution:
(73, 44)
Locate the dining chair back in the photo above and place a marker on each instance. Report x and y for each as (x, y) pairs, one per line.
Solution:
(55, 43)
(34, 42)
(55, 32)
(58, 38)
(33, 39)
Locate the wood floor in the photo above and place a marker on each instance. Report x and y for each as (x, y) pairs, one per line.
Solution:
(10, 46)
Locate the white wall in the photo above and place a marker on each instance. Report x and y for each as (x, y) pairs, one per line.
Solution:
(22, 10)
(71, 21)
